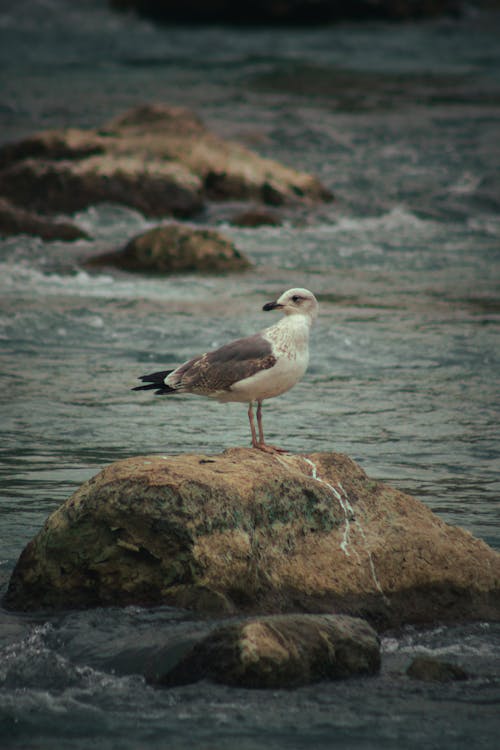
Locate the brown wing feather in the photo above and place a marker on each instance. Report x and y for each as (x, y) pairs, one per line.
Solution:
(220, 369)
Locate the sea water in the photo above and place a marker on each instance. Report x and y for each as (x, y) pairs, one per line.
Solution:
(401, 123)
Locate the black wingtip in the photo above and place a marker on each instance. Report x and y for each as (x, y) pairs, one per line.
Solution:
(155, 382)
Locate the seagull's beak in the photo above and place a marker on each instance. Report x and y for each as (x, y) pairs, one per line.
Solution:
(272, 306)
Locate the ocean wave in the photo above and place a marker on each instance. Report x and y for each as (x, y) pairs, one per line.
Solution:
(398, 218)
(25, 278)
(33, 664)
(475, 640)
(112, 222)
(21, 275)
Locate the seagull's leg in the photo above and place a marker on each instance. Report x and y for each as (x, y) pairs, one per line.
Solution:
(262, 445)
(255, 443)
(259, 422)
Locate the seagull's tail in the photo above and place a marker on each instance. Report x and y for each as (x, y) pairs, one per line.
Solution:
(155, 382)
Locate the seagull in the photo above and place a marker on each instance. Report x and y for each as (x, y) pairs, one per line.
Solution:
(250, 369)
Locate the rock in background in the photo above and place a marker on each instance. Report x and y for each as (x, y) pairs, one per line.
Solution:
(160, 160)
(15, 220)
(292, 11)
(176, 248)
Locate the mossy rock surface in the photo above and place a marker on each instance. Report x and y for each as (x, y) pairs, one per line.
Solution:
(177, 248)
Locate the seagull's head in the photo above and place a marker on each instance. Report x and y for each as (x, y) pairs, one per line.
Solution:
(295, 302)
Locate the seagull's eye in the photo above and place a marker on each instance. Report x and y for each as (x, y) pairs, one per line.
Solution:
(296, 298)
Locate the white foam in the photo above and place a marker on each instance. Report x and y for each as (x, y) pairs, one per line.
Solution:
(397, 218)
(24, 278)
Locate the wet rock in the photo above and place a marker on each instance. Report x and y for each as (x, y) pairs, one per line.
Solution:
(160, 160)
(281, 651)
(288, 12)
(256, 533)
(255, 217)
(428, 669)
(14, 220)
(67, 186)
(176, 248)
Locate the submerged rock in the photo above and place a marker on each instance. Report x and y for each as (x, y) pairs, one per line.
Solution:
(158, 159)
(15, 220)
(250, 532)
(428, 669)
(256, 217)
(176, 248)
(282, 651)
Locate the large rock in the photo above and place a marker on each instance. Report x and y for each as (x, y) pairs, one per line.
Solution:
(15, 220)
(176, 248)
(160, 160)
(69, 185)
(249, 532)
(281, 651)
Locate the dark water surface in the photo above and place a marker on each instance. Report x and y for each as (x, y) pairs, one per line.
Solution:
(402, 123)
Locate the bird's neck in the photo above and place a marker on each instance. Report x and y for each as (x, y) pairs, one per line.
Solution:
(292, 328)
(295, 323)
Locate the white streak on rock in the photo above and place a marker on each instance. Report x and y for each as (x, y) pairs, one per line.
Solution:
(349, 515)
(346, 506)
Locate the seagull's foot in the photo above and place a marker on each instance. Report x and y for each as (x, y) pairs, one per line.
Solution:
(269, 448)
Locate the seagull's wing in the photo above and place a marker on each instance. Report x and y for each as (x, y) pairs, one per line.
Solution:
(218, 370)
